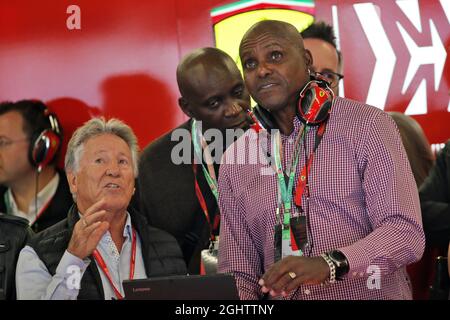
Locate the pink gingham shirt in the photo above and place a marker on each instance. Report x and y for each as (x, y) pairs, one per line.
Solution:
(363, 202)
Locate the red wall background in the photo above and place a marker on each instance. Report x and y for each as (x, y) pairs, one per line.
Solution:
(122, 62)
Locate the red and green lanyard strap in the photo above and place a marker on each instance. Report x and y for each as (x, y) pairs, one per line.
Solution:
(286, 180)
(209, 174)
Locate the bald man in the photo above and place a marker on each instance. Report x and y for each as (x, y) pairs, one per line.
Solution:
(346, 227)
(181, 198)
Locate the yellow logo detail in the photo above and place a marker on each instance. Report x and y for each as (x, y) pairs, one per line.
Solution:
(229, 32)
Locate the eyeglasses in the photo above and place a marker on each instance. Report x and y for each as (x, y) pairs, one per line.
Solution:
(7, 142)
(332, 77)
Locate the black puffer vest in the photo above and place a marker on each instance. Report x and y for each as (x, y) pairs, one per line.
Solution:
(14, 233)
(160, 251)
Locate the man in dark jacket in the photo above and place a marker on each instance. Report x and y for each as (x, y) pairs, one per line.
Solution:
(176, 196)
(14, 234)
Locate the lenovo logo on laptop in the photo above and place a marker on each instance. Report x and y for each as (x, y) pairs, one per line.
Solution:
(142, 290)
(195, 287)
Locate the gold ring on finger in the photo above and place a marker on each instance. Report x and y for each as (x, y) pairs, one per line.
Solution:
(292, 275)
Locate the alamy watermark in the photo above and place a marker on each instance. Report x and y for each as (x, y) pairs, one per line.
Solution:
(73, 281)
(73, 21)
(255, 151)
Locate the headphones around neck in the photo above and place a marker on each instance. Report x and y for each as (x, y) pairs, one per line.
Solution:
(45, 144)
(313, 106)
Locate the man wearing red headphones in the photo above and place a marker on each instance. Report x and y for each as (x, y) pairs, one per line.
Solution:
(30, 185)
(332, 209)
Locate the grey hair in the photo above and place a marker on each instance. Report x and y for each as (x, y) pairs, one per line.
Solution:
(96, 127)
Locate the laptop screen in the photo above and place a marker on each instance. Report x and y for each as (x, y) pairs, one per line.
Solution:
(185, 287)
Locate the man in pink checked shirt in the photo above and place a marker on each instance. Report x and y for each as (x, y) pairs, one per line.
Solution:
(343, 227)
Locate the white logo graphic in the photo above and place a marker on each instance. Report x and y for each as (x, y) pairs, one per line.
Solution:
(369, 16)
(74, 20)
(73, 281)
(374, 279)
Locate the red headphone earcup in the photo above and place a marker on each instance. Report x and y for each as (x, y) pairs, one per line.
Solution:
(45, 148)
(315, 104)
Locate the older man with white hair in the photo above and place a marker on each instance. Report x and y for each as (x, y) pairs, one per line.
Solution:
(102, 242)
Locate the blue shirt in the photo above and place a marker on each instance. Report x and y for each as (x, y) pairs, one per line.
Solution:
(33, 281)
